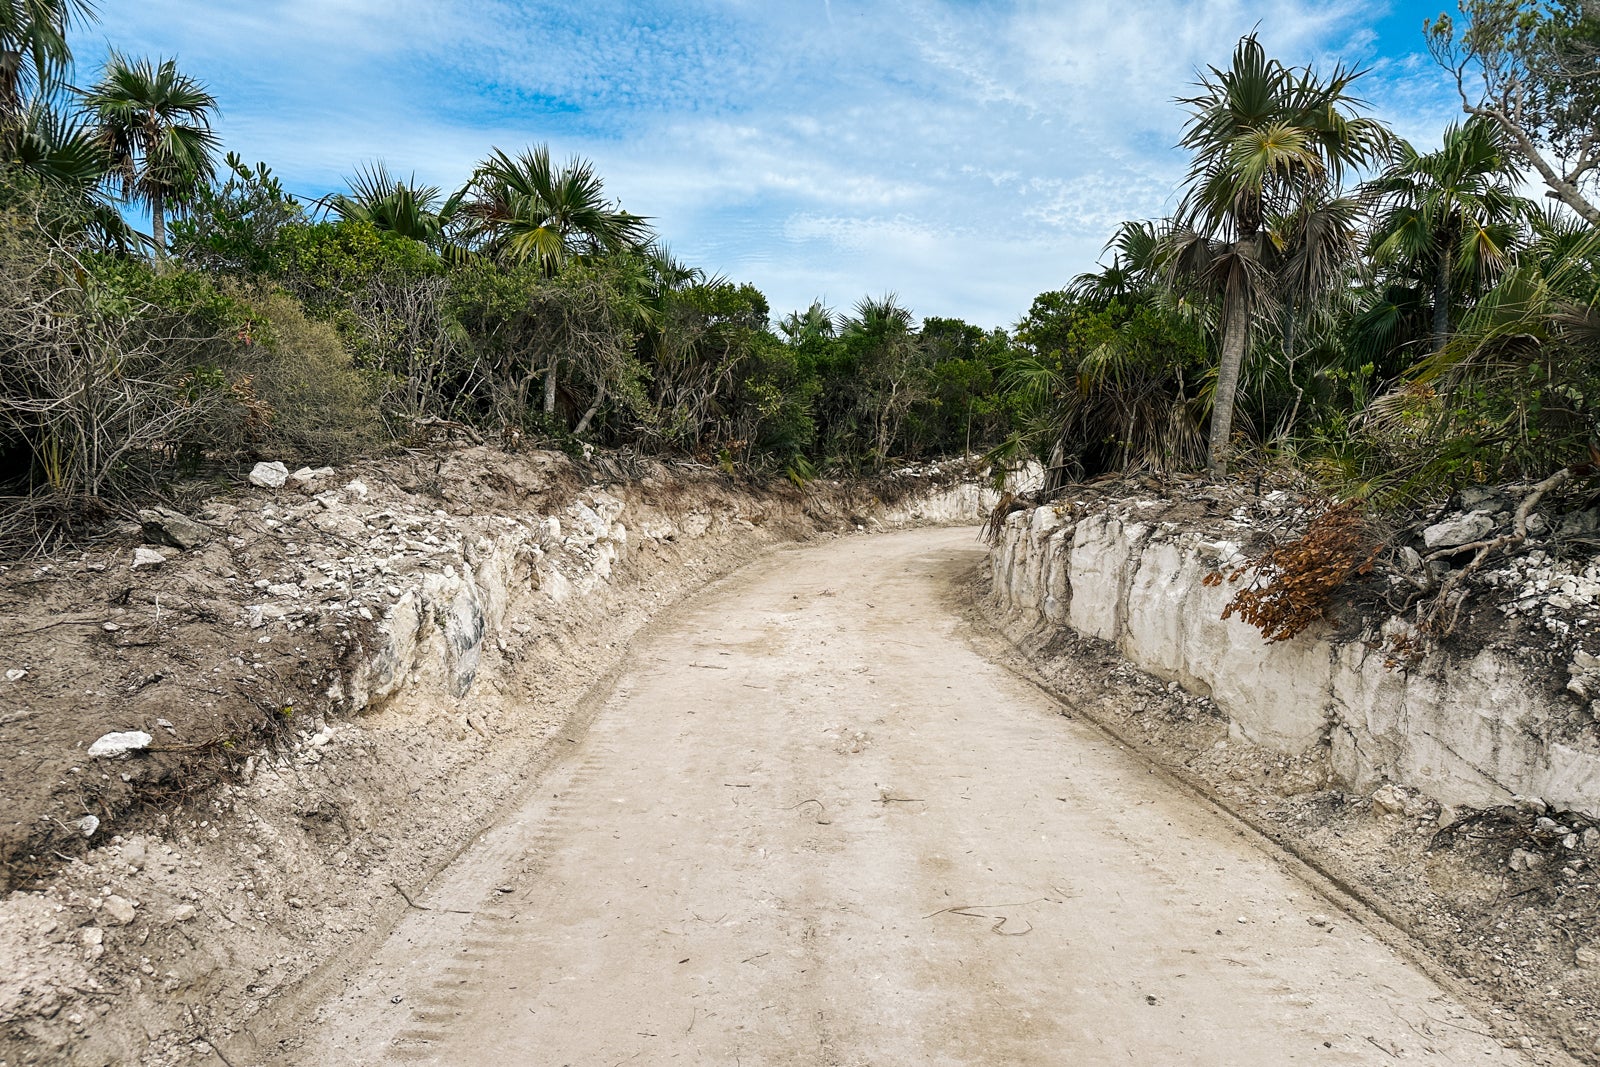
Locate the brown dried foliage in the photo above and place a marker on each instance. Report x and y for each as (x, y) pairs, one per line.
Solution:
(1292, 584)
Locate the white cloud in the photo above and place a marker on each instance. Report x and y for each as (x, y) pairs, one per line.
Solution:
(965, 154)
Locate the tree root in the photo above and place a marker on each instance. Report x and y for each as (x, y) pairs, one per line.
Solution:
(1447, 597)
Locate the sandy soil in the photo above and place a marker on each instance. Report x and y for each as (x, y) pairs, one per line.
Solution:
(812, 824)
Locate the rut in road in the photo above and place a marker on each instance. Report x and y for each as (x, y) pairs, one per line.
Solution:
(812, 825)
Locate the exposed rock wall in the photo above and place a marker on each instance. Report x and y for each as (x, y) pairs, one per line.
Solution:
(432, 638)
(1467, 731)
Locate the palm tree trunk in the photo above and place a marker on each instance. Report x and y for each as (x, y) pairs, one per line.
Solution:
(1235, 333)
(1441, 302)
(158, 224)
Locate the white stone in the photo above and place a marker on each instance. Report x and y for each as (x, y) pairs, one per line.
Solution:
(116, 745)
(119, 909)
(147, 557)
(16, 674)
(269, 475)
(1523, 860)
(1458, 530)
(1390, 800)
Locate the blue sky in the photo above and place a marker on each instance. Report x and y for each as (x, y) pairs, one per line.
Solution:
(965, 154)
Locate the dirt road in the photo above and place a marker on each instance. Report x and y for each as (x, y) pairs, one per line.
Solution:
(812, 825)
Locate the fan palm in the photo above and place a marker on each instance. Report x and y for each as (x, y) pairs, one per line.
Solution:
(154, 123)
(407, 208)
(522, 208)
(1450, 217)
(65, 157)
(33, 47)
(816, 322)
(1264, 136)
(1134, 270)
(55, 147)
(1517, 377)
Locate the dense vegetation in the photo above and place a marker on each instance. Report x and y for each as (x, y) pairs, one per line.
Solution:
(1395, 320)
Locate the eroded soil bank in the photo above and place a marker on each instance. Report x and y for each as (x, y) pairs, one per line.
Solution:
(341, 681)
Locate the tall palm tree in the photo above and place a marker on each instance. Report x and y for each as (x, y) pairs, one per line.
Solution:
(523, 207)
(1263, 136)
(33, 48)
(1451, 217)
(154, 122)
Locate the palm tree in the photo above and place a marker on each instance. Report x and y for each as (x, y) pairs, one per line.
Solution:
(33, 48)
(407, 208)
(155, 125)
(1514, 379)
(817, 321)
(1264, 136)
(1450, 217)
(64, 156)
(523, 207)
(1134, 270)
(55, 147)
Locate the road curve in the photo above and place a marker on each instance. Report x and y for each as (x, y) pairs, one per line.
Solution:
(812, 825)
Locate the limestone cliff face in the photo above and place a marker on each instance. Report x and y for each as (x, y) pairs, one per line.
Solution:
(1464, 730)
(429, 642)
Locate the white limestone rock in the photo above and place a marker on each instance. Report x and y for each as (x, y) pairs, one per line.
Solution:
(269, 475)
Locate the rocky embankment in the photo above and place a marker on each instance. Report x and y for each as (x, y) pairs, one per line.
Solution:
(1446, 774)
(237, 743)
(1472, 721)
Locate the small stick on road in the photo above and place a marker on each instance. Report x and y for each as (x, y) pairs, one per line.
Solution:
(424, 907)
(969, 909)
(822, 810)
(1375, 1045)
(407, 897)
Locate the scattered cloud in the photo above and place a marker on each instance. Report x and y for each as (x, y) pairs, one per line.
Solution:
(966, 154)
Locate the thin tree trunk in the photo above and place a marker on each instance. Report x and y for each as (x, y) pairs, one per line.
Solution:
(1055, 475)
(550, 387)
(158, 224)
(1441, 302)
(594, 409)
(1567, 192)
(1235, 334)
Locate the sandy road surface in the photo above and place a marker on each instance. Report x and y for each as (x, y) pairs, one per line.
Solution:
(813, 826)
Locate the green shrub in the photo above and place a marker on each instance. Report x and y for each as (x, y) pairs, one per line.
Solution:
(316, 407)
